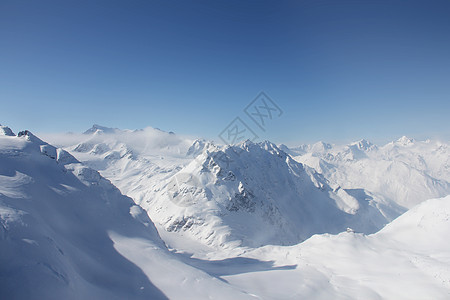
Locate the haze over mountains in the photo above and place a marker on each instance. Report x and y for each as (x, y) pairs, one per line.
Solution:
(405, 171)
(140, 214)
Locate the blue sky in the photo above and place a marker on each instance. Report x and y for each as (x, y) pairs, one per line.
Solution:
(339, 70)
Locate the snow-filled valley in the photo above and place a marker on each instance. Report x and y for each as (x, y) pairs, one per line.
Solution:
(148, 214)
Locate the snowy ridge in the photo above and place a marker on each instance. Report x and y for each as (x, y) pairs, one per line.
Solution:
(98, 129)
(255, 194)
(158, 175)
(406, 171)
(56, 219)
(5, 130)
(68, 233)
(224, 196)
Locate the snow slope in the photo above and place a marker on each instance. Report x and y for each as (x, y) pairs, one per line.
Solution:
(56, 217)
(68, 233)
(406, 171)
(408, 259)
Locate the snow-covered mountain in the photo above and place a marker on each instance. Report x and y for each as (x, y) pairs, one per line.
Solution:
(209, 193)
(68, 233)
(5, 130)
(244, 195)
(254, 194)
(405, 171)
(98, 129)
(57, 216)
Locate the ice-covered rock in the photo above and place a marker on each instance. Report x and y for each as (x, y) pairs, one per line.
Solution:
(5, 130)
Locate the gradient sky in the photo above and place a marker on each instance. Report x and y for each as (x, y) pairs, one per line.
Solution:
(339, 70)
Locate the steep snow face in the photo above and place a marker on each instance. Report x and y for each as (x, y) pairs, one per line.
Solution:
(252, 195)
(405, 171)
(408, 259)
(56, 217)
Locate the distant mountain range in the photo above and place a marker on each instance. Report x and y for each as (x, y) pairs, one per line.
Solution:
(147, 214)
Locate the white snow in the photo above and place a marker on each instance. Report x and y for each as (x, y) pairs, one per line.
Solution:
(405, 172)
(230, 221)
(248, 195)
(409, 259)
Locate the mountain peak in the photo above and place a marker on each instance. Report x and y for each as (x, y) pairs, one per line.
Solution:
(5, 130)
(198, 146)
(320, 147)
(363, 145)
(98, 129)
(405, 141)
(30, 137)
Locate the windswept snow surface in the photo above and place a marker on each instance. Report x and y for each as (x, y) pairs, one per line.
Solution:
(233, 217)
(408, 259)
(56, 216)
(68, 233)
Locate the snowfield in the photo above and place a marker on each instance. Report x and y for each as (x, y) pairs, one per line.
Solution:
(408, 259)
(146, 214)
(404, 171)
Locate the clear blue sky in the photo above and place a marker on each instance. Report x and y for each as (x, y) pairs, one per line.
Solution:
(340, 70)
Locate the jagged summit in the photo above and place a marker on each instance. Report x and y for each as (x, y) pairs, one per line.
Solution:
(98, 129)
(61, 156)
(198, 146)
(254, 194)
(405, 141)
(364, 145)
(5, 130)
(30, 137)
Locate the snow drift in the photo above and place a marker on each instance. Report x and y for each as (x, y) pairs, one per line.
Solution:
(56, 217)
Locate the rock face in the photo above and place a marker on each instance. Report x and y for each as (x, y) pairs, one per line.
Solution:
(5, 130)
